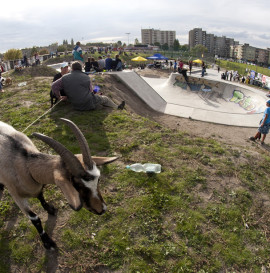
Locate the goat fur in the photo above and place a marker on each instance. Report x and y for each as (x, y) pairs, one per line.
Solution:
(24, 171)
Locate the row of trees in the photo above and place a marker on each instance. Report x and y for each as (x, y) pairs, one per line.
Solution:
(16, 54)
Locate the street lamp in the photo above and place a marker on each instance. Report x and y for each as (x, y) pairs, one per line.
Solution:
(128, 37)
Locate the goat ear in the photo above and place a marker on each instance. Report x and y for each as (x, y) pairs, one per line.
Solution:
(69, 192)
(103, 160)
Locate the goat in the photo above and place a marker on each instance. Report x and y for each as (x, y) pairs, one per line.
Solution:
(25, 171)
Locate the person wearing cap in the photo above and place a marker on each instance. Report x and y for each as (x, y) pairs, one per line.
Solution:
(264, 125)
(79, 91)
(64, 70)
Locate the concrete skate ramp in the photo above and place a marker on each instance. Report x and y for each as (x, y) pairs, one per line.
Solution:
(55, 66)
(210, 100)
(142, 89)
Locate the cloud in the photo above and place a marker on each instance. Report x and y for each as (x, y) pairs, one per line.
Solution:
(29, 23)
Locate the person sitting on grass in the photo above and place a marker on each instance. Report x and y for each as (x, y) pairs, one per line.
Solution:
(79, 91)
(1, 89)
(1, 80)
(264, 125)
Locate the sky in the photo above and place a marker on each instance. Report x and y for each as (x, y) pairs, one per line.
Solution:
(25, 24)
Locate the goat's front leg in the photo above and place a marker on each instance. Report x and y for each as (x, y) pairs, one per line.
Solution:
(1, 187)
(49, 208)
(46, 240)
(24, 206)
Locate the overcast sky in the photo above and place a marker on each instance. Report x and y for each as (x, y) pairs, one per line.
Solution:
(40, 23)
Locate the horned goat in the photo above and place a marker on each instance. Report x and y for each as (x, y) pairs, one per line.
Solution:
(25, 171)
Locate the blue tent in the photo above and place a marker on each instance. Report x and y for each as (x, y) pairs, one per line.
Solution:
(157, 56)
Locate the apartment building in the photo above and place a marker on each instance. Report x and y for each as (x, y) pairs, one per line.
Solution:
(215, 45)
(210, 43)
(245, 52)
(152, 36)
(262, 56)
(197, 37)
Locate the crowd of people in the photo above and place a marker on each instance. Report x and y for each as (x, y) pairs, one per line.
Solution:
(231, 76)
(104, 63)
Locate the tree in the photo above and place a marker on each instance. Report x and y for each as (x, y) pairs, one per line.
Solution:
(184, 48)
(136, 42)
(72, 42)
(199, 50)
(165, 46)
(34, 50)
(62, 48)
(157, 44)
(119, 43)
(176, 45)
(43, 51)
(13, 54)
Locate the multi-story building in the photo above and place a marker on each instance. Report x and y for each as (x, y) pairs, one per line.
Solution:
(243, 52)
(210, 43)
(262, 56)
(215, 45)
(228, 47)
(152, 36)
(197, 37)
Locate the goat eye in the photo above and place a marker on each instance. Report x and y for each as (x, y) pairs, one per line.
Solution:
(88, 177)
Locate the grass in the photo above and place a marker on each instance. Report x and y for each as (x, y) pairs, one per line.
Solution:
(241, 68)
(207, 211)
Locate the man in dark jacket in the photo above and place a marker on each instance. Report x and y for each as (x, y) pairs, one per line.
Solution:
(79, 91)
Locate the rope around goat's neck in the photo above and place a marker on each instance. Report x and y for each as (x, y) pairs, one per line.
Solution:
(40, 117)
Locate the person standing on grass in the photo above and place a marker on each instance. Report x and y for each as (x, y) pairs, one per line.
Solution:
(264, 125)
(77, 52)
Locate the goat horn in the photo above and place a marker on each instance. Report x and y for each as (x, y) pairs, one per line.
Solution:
(87, 159)
(68, 157)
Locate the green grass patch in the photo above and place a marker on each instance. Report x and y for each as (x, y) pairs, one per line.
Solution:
(207, 211)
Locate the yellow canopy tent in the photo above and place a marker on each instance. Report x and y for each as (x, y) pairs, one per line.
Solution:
(139, 59)
(198, 61)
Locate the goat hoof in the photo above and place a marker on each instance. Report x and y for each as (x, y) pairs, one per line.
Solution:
(48, 242)
(52, 210)
(50, 245)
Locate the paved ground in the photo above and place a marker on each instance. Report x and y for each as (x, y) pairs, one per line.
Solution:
(206, 99)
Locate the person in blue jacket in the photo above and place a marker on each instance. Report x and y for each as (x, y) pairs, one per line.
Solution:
(108, 63)
(264, 125)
